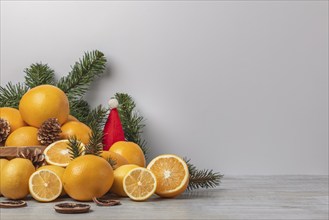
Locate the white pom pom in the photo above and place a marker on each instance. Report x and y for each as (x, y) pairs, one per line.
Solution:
(113, 103)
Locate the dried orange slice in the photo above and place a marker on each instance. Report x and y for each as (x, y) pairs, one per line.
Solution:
(139, 184)
(45, 185)
(171, 173)
(58, 153)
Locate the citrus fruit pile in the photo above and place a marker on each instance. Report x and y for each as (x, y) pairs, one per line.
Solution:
(36, 106)
(121, 170)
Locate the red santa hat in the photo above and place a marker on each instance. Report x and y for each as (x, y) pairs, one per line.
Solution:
(113, 130)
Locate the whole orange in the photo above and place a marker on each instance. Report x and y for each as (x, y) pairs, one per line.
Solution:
(131, 151)
(78, 129)
(15, 178)
(44, 102)
(117, 158)
(13, 116)
(87, 176)
(24, 136)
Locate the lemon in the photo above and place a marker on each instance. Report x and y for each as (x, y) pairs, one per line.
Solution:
(45, 185)
(139, 184)
(56, 169)
(44, 102)
(119, 174)
(15, 178)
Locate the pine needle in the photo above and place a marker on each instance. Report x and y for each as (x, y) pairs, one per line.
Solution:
(111, 161)
(96, 118)
(202, 178)
(11, 94)
(75, 148)
(132, 121)
(39, 74)
(77, 83)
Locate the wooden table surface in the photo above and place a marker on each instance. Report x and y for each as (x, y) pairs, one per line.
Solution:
(244, 197)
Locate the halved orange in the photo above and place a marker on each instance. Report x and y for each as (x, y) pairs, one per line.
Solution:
(45, 185)
(171, 173)
(139, 184)
(58, 153)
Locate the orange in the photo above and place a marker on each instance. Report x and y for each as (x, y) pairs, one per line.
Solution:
(171, 173)
(86, 177)
(131, 151)
(23, 136)
(13, 116)
(119, 174)
(71, 118)
(15, 178)
(45, 185)
(78, 129)
(3, 163)
(58, 153)
(56, 169)
(44, 102)
(139, 184)
(117, 158)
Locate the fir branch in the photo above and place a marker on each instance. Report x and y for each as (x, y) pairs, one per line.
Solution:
(132, 121)
(11, 94)
(75, 148)
(95, 145)
(77, 82)
(202, 178)
(96, 118)
(80, 109)
(38, 74)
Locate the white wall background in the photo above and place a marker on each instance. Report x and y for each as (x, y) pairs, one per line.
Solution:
(240, 87)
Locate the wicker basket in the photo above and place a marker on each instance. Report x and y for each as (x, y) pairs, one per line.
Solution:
(12, 152)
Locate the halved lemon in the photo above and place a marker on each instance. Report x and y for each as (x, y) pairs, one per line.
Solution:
(139, 184)
(171, 173)
(58, 153)
(45, 185)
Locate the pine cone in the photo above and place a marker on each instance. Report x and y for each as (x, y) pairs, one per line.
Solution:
(49, 131)
(35, 155)
(4, 129)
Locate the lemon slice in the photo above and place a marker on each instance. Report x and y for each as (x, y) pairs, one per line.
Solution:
(58, 153)
(139, 184)
(171, 173)
(45, 185)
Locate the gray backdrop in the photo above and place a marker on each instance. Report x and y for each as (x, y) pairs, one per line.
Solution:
(240, 87)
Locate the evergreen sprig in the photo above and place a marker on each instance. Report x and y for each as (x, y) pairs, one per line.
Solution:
(77, 82)
(132, 121)
(75, 148)
(111, 161)
(95, 145)
(11, 94)
(202, 178)
(80, 109)
(96, 118)
(38, 74)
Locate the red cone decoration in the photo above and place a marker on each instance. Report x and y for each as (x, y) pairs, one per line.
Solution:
(113, 131)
